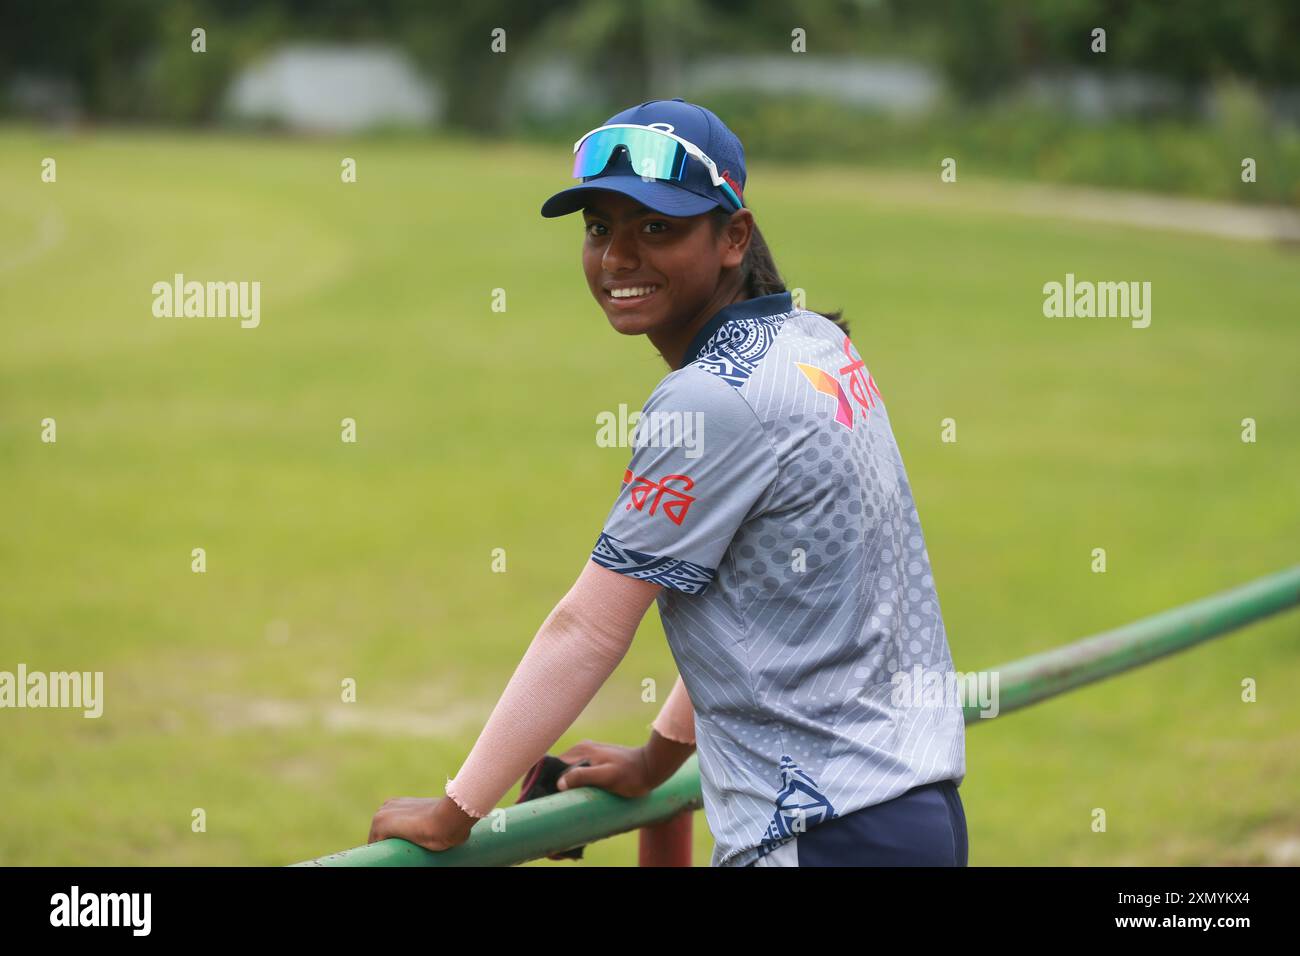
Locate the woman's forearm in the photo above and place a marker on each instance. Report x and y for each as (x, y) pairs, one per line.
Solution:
(560, 672)
(672, 735)
(676, 719)
(571, 656)
(663, 757)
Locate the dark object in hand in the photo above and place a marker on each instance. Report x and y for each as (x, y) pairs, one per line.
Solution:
(540, 781)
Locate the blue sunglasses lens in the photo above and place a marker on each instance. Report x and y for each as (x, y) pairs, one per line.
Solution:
(651, 154)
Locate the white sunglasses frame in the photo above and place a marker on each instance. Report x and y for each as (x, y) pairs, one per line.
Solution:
(691, 150)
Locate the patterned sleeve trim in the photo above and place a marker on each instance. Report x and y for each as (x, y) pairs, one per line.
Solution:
(682, 576)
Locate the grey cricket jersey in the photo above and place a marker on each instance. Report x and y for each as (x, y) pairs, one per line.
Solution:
(767, 494)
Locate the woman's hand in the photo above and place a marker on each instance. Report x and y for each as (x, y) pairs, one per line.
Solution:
(620, 770)
(435, 823)
(625, 771)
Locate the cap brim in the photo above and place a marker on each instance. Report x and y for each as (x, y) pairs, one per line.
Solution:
(659, 196)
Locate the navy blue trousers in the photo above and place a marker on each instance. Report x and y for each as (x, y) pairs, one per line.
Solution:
(926, 826)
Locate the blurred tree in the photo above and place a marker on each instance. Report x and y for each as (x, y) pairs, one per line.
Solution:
(93, 44)
(634, 49)
(130, 58)
(985, 45)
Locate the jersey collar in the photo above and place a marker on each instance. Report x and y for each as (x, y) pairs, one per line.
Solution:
(764, 305)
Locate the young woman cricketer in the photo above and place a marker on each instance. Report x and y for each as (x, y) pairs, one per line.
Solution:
(785, 555)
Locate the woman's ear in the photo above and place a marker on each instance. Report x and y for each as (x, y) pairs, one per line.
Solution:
(738, 234)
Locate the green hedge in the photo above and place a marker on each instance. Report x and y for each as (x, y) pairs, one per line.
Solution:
(1167, 155)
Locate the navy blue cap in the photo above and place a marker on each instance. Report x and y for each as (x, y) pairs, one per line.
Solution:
(689, 197)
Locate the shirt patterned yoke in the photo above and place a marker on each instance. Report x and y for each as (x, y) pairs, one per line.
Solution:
(767, 494)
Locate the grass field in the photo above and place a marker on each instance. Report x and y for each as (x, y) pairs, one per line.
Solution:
(476, 430)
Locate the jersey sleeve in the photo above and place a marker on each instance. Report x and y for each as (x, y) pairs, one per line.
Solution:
(701, 463)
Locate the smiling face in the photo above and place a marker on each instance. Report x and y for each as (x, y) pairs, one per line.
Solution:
(690, 269)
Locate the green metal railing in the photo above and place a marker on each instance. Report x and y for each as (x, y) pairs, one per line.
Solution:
(531, 830)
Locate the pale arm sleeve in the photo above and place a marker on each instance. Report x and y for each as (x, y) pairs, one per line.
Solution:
(676, 720)
(573, 653)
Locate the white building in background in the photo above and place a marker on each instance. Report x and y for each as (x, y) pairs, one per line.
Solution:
(335, 89)
(902, 87)
(555, 85)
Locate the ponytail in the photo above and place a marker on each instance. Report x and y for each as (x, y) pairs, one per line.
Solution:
(759, 270)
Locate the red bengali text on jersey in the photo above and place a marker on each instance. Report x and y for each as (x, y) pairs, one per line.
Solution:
(675, 505)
